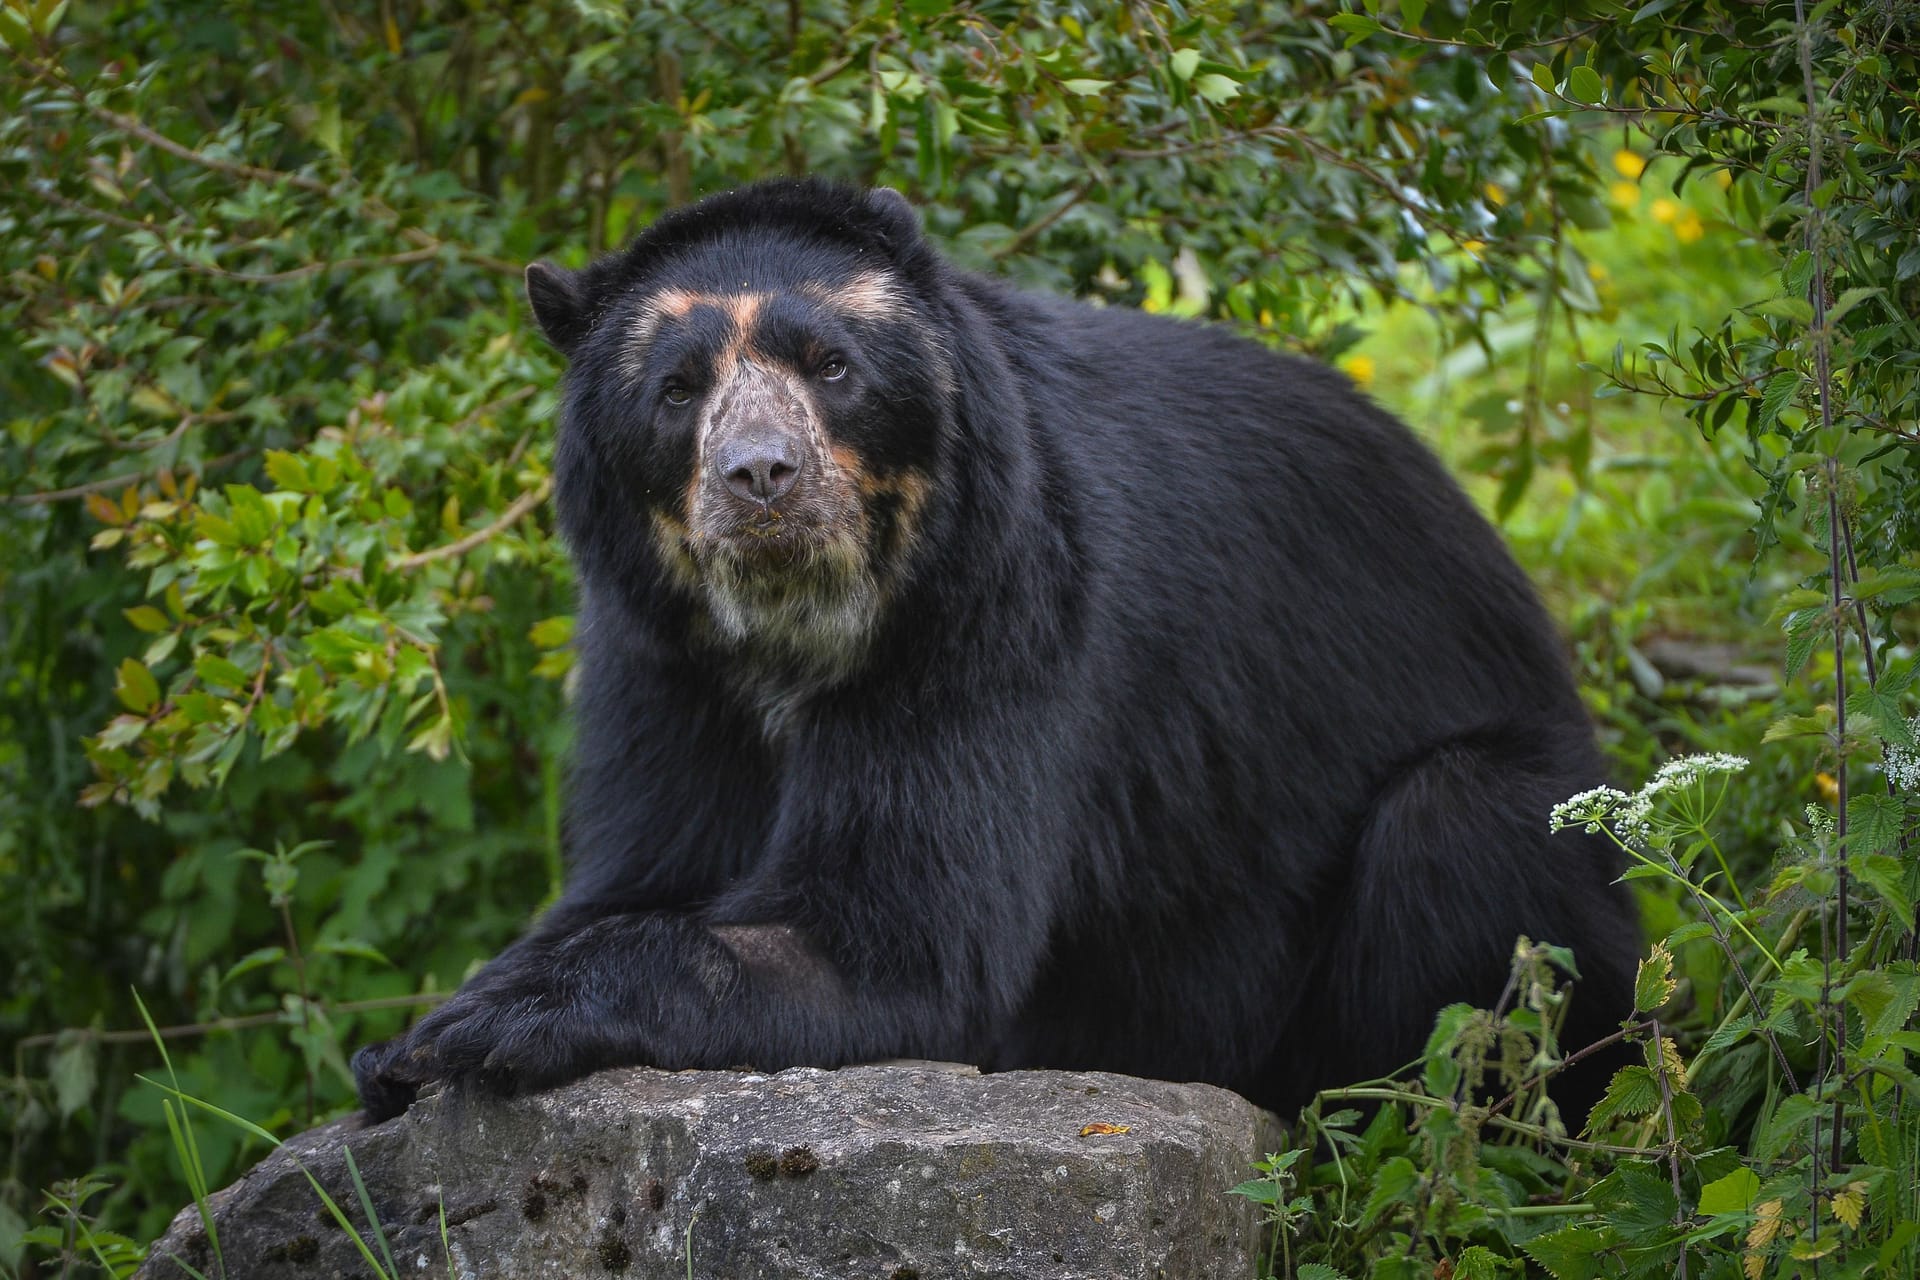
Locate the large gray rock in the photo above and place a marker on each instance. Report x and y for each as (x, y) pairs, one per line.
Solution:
(896, 1172)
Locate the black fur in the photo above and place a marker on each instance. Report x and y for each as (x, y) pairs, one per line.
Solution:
(1203, 731)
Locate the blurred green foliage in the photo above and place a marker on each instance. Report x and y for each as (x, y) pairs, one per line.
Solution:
(283, 621)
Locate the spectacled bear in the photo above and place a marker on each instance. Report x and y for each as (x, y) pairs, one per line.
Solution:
(974, 675)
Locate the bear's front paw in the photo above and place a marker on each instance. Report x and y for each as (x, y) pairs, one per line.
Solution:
(382, 1094)
(504, 1038)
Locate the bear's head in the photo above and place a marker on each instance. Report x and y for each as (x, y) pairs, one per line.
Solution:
(758, 394)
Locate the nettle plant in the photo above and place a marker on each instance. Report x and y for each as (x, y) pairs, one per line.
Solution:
(1772, 1128)
(1784, 1141)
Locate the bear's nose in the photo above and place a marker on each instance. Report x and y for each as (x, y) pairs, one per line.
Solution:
(760, 468)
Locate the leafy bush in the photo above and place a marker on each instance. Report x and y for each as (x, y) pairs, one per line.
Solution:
(285, 623)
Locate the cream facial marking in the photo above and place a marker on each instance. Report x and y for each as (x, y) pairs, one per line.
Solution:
(872, 295)
(676, 304)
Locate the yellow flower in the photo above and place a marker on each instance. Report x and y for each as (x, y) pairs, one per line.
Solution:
(1689, 228)
(1828, 786)
(1473, 247)
(1494, 194)
(1664, 210)
(1628, 164)
(1359, 368)
(1625, 194)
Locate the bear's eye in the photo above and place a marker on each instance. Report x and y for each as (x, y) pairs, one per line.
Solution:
(833, 368)
(677, 395)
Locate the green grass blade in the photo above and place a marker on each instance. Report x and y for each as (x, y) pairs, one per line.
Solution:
(366, 1207)
(180, 1130)
(332, 1207)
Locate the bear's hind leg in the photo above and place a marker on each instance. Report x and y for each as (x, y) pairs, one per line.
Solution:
(1452, 865)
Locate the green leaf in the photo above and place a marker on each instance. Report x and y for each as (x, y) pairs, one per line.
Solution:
(147, 618)
(1734, 1193)
(1584, 84)
(1394, 1184)
(1633, 1092)
(1358, 26)
(258, 958)
(1884, 874)
(353, 947)
(1778, 394)
(1849, 300)
(1477, 1262)
(1892, 584)
(1258, 1190)
(136, 688)
(1883, 709)
(1086, 88)
(221, 673)
(1216, 88)
(1573, 1253)
(1796, 727)
(1874, 822)
(1798, 310)
(1318, 1271)
(288, 471)
(73, 1069)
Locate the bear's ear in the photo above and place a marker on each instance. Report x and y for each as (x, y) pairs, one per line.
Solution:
(559, 304)
(895, 220)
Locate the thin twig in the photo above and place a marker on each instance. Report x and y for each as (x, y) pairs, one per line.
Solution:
(518, 508)
(140, 1035)
(111, 482)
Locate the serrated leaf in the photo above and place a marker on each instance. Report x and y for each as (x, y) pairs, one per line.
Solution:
(1874, 822)
(1776, 396)
(1633, 1092)
(1885, 875)
(1653, 983)
(1393, 1184)
(1798, 310)
(1795, 727)
(1318, 1271)
(1849, 300)
(1892, 584)
(1883, 709)
(1573, 1253)
(1728, 1033)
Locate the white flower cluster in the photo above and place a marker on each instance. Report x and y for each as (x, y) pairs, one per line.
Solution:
(1631, 816)
(1587, 810)
(1903, 763)
(1688, 770)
